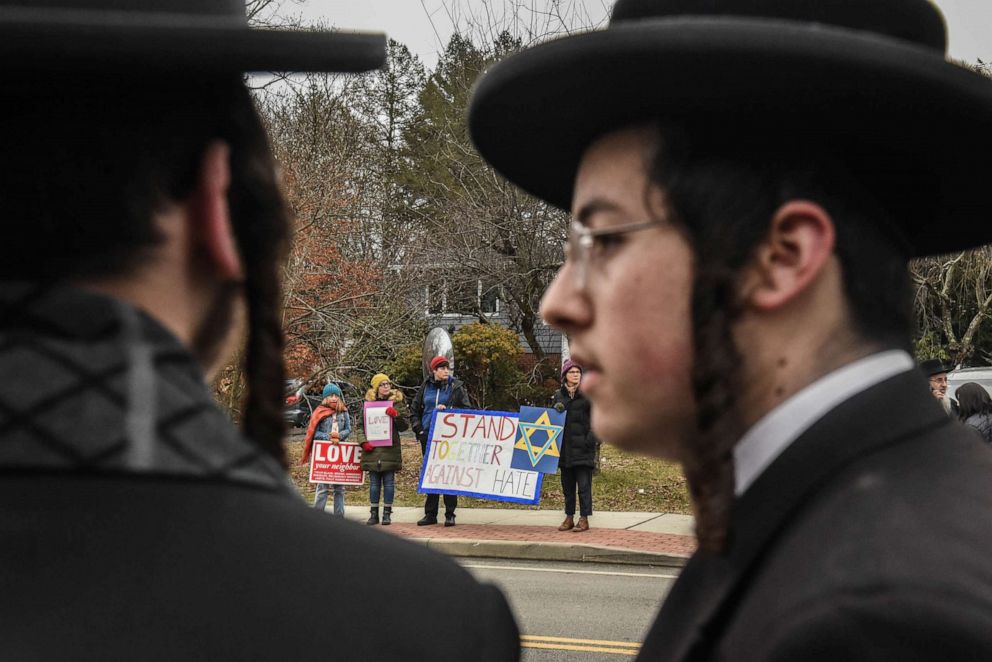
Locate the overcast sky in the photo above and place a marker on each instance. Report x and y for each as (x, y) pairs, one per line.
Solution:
(425, 25)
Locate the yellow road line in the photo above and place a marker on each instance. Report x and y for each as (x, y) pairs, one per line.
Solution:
(584, 649)
(569, 640)
(585, 645)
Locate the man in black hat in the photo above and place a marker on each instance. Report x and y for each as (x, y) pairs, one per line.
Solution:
(936, 373)
(747, 181)
(142, 223)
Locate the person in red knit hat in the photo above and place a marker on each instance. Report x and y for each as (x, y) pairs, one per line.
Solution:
(441, 391)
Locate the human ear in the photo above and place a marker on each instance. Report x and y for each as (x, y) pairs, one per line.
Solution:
(211, 215)
(799, 244)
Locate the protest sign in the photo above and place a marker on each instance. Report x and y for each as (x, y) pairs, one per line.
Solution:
(339, 464)
(538, 440)
(378, 424)
(468, 453)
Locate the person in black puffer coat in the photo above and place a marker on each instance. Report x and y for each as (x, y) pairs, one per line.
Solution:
(579, 447)
(975, 409)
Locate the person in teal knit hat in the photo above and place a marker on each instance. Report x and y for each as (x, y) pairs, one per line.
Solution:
(330, 421)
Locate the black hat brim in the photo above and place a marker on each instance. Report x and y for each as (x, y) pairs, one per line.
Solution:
(533, 114)
(202, 47)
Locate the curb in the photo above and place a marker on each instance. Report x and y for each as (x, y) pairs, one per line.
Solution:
(549, 551)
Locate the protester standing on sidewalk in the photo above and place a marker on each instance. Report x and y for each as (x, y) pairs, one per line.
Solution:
(144, 234)
(745, 203)
(578, 447)
(330, 421)
(975, 409)
(440, 391)
(382, 462)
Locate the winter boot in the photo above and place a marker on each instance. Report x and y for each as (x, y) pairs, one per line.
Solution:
(374, 517)
(387, 512)
(568, 524)
(583, 525)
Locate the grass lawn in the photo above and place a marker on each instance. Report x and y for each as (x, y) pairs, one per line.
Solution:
(626, 482)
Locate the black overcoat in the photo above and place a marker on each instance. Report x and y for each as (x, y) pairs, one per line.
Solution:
(578, 443)
(869, 538)
(137, 524)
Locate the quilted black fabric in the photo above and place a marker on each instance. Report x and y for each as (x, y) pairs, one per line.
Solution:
(89, 383)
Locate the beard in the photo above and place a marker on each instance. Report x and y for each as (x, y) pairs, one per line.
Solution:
(216, 337)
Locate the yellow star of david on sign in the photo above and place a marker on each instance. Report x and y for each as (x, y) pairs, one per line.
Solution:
(526, 441)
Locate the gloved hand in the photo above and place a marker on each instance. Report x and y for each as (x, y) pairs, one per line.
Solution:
(367, 447)
(391, 412)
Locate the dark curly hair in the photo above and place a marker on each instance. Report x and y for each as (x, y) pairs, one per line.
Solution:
(722, 187)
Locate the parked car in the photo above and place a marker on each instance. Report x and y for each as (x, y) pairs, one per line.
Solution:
(959, 376)
(300, 403)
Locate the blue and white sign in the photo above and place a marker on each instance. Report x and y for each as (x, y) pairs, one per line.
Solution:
(470, 453)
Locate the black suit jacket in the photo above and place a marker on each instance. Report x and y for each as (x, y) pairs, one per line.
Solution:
(869, 538)
(143, 568)
(137, 524)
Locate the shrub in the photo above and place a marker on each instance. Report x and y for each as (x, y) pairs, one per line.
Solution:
(405, 369)
(486, 358)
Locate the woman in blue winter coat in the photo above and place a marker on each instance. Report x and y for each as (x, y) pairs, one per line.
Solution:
(441, 391)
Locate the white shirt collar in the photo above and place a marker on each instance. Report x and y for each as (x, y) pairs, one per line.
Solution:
(777, 429)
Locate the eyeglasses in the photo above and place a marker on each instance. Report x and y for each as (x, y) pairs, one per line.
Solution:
(585, 245)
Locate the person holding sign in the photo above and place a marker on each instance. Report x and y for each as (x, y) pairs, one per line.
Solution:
(440, 392)
(381, 461)
(330, 421)
(579, 447)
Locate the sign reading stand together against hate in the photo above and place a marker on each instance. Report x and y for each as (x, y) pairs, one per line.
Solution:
(469, 453)
(378, 424)
(338, 464)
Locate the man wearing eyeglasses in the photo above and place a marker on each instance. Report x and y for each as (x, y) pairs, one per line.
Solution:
(744, 202)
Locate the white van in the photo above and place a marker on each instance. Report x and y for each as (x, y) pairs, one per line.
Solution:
(959, 376)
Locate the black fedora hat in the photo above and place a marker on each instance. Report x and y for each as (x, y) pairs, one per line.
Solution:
(869, 74)
(206, 36)
(932, 367)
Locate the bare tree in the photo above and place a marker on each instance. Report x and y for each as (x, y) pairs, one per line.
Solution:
(953, 301)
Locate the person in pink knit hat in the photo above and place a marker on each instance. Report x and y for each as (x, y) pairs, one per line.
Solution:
(579, 447)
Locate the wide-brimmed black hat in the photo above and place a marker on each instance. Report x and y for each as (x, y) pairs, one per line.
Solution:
(932, 367)
(203, 36)
(866, 75)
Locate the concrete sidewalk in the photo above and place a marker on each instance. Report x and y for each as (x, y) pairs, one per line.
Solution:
(633, 538)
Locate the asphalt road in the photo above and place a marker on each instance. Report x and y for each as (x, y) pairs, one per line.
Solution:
(581, 612)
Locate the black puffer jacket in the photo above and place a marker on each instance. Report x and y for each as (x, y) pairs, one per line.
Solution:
(982, 423)
(578, 446)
